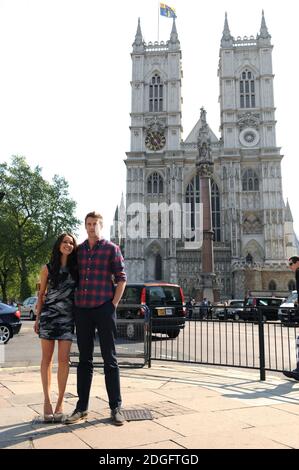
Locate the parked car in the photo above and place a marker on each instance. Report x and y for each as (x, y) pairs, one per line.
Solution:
(287, 314)
(28, 307)
(268, 306)
(165, 302)
(10, 323)
(232, 310)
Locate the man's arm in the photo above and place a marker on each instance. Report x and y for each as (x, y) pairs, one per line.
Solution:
(118, 270)
(118, 292)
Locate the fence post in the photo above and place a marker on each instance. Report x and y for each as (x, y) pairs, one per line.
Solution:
(261, 344)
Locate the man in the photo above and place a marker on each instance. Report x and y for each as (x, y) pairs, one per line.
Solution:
(294, 266)
(100, 262)
(204, 308)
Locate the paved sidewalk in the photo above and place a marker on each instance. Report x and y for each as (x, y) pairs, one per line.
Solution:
(193, 406)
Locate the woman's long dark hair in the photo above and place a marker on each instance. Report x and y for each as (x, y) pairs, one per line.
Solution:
(55, 261)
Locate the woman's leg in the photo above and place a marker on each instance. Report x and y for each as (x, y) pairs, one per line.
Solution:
(63, 371)
(46, 372)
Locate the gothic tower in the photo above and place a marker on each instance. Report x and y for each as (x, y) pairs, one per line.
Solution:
(153, 160)
(253, 209)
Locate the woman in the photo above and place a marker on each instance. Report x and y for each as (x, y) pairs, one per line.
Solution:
(54, 318)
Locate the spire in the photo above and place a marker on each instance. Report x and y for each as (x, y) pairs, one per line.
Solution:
(264, 33)
(138, 43)
(174, 39)
(288, 213)
(116, 214)
(122, 209)
(227, 39)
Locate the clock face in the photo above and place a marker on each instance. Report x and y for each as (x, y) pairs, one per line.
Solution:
(155, 140)
(249, 137)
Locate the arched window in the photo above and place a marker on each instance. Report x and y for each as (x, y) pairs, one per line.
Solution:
(192, 198)
(250, 181)
(155, 184)
(155, 94)
(291, 285)
(247, 89)
(272, 285)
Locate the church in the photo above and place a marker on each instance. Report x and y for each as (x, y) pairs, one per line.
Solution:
(253, 233)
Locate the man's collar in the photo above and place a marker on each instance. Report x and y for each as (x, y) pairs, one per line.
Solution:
(98, 242)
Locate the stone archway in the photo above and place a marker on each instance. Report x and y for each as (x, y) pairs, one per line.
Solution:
(154, 263)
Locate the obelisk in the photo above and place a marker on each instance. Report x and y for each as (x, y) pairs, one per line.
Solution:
(204, 169)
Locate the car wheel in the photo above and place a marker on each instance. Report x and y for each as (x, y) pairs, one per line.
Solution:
(173, 333)
(32, 316)
(131, 331)
(5, 334)
(236, 316)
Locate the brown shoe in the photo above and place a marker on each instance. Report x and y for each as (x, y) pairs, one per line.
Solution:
(76, 416)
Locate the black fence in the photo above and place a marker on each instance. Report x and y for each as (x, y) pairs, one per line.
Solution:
(223, 341)
(255, 344)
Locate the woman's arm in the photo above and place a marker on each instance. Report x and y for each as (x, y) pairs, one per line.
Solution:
(41, 294)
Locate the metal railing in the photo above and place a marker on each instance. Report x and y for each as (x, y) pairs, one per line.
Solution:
(255, 344)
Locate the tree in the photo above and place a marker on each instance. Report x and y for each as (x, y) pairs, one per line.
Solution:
(33, 213)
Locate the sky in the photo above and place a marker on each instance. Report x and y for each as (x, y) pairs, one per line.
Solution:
(65, 91)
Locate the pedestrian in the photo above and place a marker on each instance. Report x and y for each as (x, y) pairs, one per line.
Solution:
(204, 308)
(54, 318)
(189, 305)
(294, 266)
(100, 262)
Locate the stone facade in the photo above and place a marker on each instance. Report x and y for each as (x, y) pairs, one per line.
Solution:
(253, 227)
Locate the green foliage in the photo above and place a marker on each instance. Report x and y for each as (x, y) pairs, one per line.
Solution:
(33, 213)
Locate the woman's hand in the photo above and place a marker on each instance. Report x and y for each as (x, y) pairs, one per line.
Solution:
(36, 325)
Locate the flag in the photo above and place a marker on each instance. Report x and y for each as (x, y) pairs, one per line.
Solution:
(165, 10)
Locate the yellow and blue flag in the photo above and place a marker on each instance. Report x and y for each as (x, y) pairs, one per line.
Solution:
(166, 10)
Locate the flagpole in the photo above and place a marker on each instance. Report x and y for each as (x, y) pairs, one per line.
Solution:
(158, 18)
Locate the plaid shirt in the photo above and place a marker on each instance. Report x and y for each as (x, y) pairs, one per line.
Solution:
(96, 267)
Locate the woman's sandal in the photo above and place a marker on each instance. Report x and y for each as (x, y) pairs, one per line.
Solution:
(48, 418)
(58, 417)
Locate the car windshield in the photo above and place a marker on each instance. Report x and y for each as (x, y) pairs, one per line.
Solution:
(163, 294)
(131, 295)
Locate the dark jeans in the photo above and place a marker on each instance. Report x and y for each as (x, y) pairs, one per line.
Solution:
(103, 319)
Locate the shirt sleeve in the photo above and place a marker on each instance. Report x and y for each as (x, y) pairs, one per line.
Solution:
(118, 266)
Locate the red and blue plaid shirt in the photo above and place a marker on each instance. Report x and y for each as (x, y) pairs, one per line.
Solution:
(98, 267)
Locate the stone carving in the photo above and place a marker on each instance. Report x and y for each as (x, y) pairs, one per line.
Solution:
(252, 223)
(248, 120)
(155, 125)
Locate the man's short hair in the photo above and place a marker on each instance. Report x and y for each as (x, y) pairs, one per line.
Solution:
(294, 259)
(94, 215)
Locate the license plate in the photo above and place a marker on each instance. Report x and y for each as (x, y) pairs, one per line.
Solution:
(161, 312)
